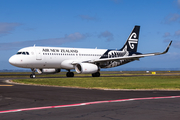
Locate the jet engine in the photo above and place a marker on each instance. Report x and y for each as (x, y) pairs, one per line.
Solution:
(86, 68)
(48, 71)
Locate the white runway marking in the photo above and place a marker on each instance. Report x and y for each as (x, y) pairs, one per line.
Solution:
(87, 103)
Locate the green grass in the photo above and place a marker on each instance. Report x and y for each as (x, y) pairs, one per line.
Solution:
(103, 74)
(137, 82)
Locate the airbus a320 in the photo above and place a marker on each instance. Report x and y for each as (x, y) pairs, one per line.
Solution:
(50, 60)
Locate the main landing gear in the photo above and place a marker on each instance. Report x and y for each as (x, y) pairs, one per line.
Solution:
(97, 74)
(69, 74)
(33, 73)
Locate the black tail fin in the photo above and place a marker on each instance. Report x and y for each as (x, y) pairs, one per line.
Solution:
(132, 42)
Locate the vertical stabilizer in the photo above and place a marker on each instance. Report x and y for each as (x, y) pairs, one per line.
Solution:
(132, 41)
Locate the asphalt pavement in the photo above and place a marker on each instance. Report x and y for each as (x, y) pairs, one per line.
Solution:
(13, 96)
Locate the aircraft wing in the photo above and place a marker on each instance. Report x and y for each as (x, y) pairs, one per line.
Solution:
(136, 57)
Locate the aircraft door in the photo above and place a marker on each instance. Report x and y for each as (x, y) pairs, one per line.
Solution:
(38, 54)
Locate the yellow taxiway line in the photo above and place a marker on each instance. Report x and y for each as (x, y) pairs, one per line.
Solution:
(6, 85)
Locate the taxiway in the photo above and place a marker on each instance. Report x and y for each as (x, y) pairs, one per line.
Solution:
(13, 96)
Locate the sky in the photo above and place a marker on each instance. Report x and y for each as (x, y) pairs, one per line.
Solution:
(105, 24)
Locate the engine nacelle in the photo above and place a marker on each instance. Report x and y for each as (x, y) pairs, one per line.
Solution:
(48, 71)
(86, 68)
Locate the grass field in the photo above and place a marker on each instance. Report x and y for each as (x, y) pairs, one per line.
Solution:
(166, 80)
(118, 82)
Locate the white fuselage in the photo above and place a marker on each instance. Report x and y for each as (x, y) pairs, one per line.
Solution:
(53, 57)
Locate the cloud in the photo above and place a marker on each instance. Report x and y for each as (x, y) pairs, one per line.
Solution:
(167, 40)
(177, 33)
(176, 44)
(29, 29)
(87, 17)
(171, 18)
(167, 34)
(44, 42)
(6, 28)
(116, 1)
(174, 38)
(108, 35)
(178, 2)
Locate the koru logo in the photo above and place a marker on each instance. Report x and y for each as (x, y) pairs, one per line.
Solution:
(132, 40)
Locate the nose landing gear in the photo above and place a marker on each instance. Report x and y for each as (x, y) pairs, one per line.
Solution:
(33, 73)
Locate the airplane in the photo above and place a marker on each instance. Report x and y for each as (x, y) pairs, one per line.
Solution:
(50, 60)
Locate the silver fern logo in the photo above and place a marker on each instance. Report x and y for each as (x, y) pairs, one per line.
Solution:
(132, 40)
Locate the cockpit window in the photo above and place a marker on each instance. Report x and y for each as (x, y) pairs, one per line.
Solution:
(19, 53)
(22, 53)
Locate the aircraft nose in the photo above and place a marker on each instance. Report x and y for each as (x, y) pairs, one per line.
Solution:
(12, 60)
(17, 61)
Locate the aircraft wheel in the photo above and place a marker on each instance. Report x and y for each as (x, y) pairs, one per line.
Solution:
(97, 74)
(32, 76)
(93, 75)
(69, 74)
